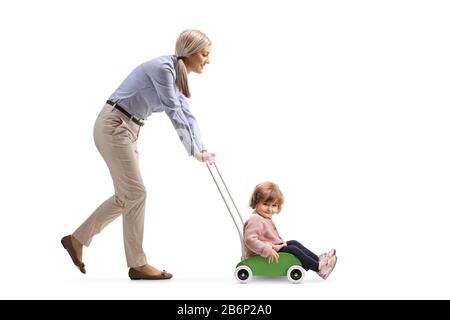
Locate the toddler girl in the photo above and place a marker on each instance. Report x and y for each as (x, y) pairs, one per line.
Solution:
(261, 236)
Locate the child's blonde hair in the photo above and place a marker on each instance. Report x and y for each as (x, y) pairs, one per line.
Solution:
(267, 192)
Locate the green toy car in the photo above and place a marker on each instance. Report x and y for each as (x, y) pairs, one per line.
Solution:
(288, 265)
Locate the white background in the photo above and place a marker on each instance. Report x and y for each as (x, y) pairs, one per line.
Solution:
(344, 104)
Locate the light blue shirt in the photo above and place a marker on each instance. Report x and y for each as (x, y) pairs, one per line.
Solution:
(151, 87)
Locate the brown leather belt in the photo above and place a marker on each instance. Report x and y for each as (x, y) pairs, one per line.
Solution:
(125, 112)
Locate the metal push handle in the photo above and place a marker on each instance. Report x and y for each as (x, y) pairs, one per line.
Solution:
(226, 202)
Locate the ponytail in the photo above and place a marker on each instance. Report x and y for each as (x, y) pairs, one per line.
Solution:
(182, 78)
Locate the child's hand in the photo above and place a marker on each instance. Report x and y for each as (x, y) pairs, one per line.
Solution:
(273, 256)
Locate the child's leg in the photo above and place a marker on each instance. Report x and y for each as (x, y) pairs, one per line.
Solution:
(308, 262)
(302, 248)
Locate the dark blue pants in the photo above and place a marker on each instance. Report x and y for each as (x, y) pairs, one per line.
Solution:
(309, 259)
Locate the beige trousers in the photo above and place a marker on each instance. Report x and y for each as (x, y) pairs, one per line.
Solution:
(116, 139)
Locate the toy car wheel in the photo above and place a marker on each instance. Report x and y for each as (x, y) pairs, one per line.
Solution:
(296, 274)
(243, 274)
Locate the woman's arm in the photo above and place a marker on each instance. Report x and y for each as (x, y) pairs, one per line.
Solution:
(183, 121)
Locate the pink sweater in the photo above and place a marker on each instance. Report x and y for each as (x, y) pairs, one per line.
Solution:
(261, 236)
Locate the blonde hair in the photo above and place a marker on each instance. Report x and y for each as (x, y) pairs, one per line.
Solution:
(266, 192)
(189, 42)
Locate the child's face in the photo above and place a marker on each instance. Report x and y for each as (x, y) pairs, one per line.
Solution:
(267, 209)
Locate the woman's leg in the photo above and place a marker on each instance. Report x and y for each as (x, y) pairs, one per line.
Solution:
(116, 139)
(100, 218)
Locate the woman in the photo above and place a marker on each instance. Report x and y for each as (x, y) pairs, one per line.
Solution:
(157, 85)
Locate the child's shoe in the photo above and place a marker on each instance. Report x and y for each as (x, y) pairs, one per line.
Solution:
(323, 261)
(325, 271)
(332, 252)
(328, 254)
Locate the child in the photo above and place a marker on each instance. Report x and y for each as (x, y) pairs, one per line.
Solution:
(261, 236)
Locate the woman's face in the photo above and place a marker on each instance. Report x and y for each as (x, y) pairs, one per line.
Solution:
(197, 61)
(267, 209)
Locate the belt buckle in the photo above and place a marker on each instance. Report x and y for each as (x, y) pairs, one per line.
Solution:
(137, 119)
